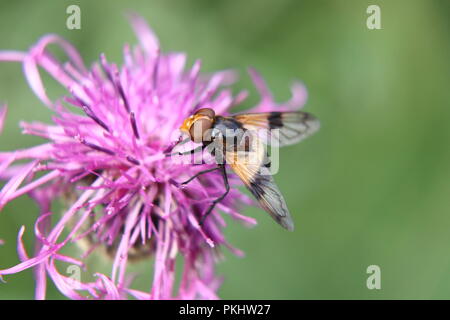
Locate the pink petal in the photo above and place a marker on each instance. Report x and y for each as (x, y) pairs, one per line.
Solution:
(3, 111)
(145, 35)
(260, 84)
(299, 96)
(34, 58)
(23, 256)
(15, 182)
(66, 46)
(30, 262)
(33, 185)
(5, 163)
(40, 275)
(111, 290)
(37, 152)
(10, 55)
(66, 285)
(34, 79)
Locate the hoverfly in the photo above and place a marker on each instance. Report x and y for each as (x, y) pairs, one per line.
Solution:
(237, 141)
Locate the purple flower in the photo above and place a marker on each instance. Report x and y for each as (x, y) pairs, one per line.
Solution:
(104, 162)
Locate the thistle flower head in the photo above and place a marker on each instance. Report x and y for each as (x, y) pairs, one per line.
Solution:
(105, 162)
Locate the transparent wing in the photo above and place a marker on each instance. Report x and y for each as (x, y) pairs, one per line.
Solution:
(280, 128)
(253, 167)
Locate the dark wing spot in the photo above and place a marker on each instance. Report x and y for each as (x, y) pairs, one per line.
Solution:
(275, 120)
(256, 189)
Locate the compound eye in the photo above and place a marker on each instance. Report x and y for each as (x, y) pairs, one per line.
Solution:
(206, 112)
(200, 129)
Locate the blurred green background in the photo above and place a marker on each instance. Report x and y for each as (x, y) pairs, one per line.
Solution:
(371, 188)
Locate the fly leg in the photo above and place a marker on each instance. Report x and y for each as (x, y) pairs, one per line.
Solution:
(198, 174)
(193, 151)
(227, 189)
